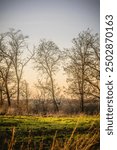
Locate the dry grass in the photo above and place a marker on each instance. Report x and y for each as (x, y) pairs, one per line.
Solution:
(89, 141)
(12, 142)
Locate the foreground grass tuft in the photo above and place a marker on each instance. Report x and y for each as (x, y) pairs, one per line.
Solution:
(49, 133)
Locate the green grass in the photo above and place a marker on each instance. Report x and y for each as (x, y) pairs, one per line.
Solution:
(32, 130)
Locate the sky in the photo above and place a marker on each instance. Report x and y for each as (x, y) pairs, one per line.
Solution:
(57, 20)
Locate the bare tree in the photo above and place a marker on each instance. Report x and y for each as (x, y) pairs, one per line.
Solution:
(47, 63)
(14, 49)
(80, 66)
(6, 72)
(5, 75)
(1, 90)
(94, 78)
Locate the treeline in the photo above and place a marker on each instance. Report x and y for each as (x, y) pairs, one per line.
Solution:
(80, 63)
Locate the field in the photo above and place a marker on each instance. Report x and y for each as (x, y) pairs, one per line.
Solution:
(49, 133)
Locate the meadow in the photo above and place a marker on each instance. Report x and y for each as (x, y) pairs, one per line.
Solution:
(49, 133)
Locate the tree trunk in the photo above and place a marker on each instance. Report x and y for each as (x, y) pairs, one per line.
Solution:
(8, 96)
(82, 88)
(1, 99)
(18, 92)
(27, 106)
(56, 109)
